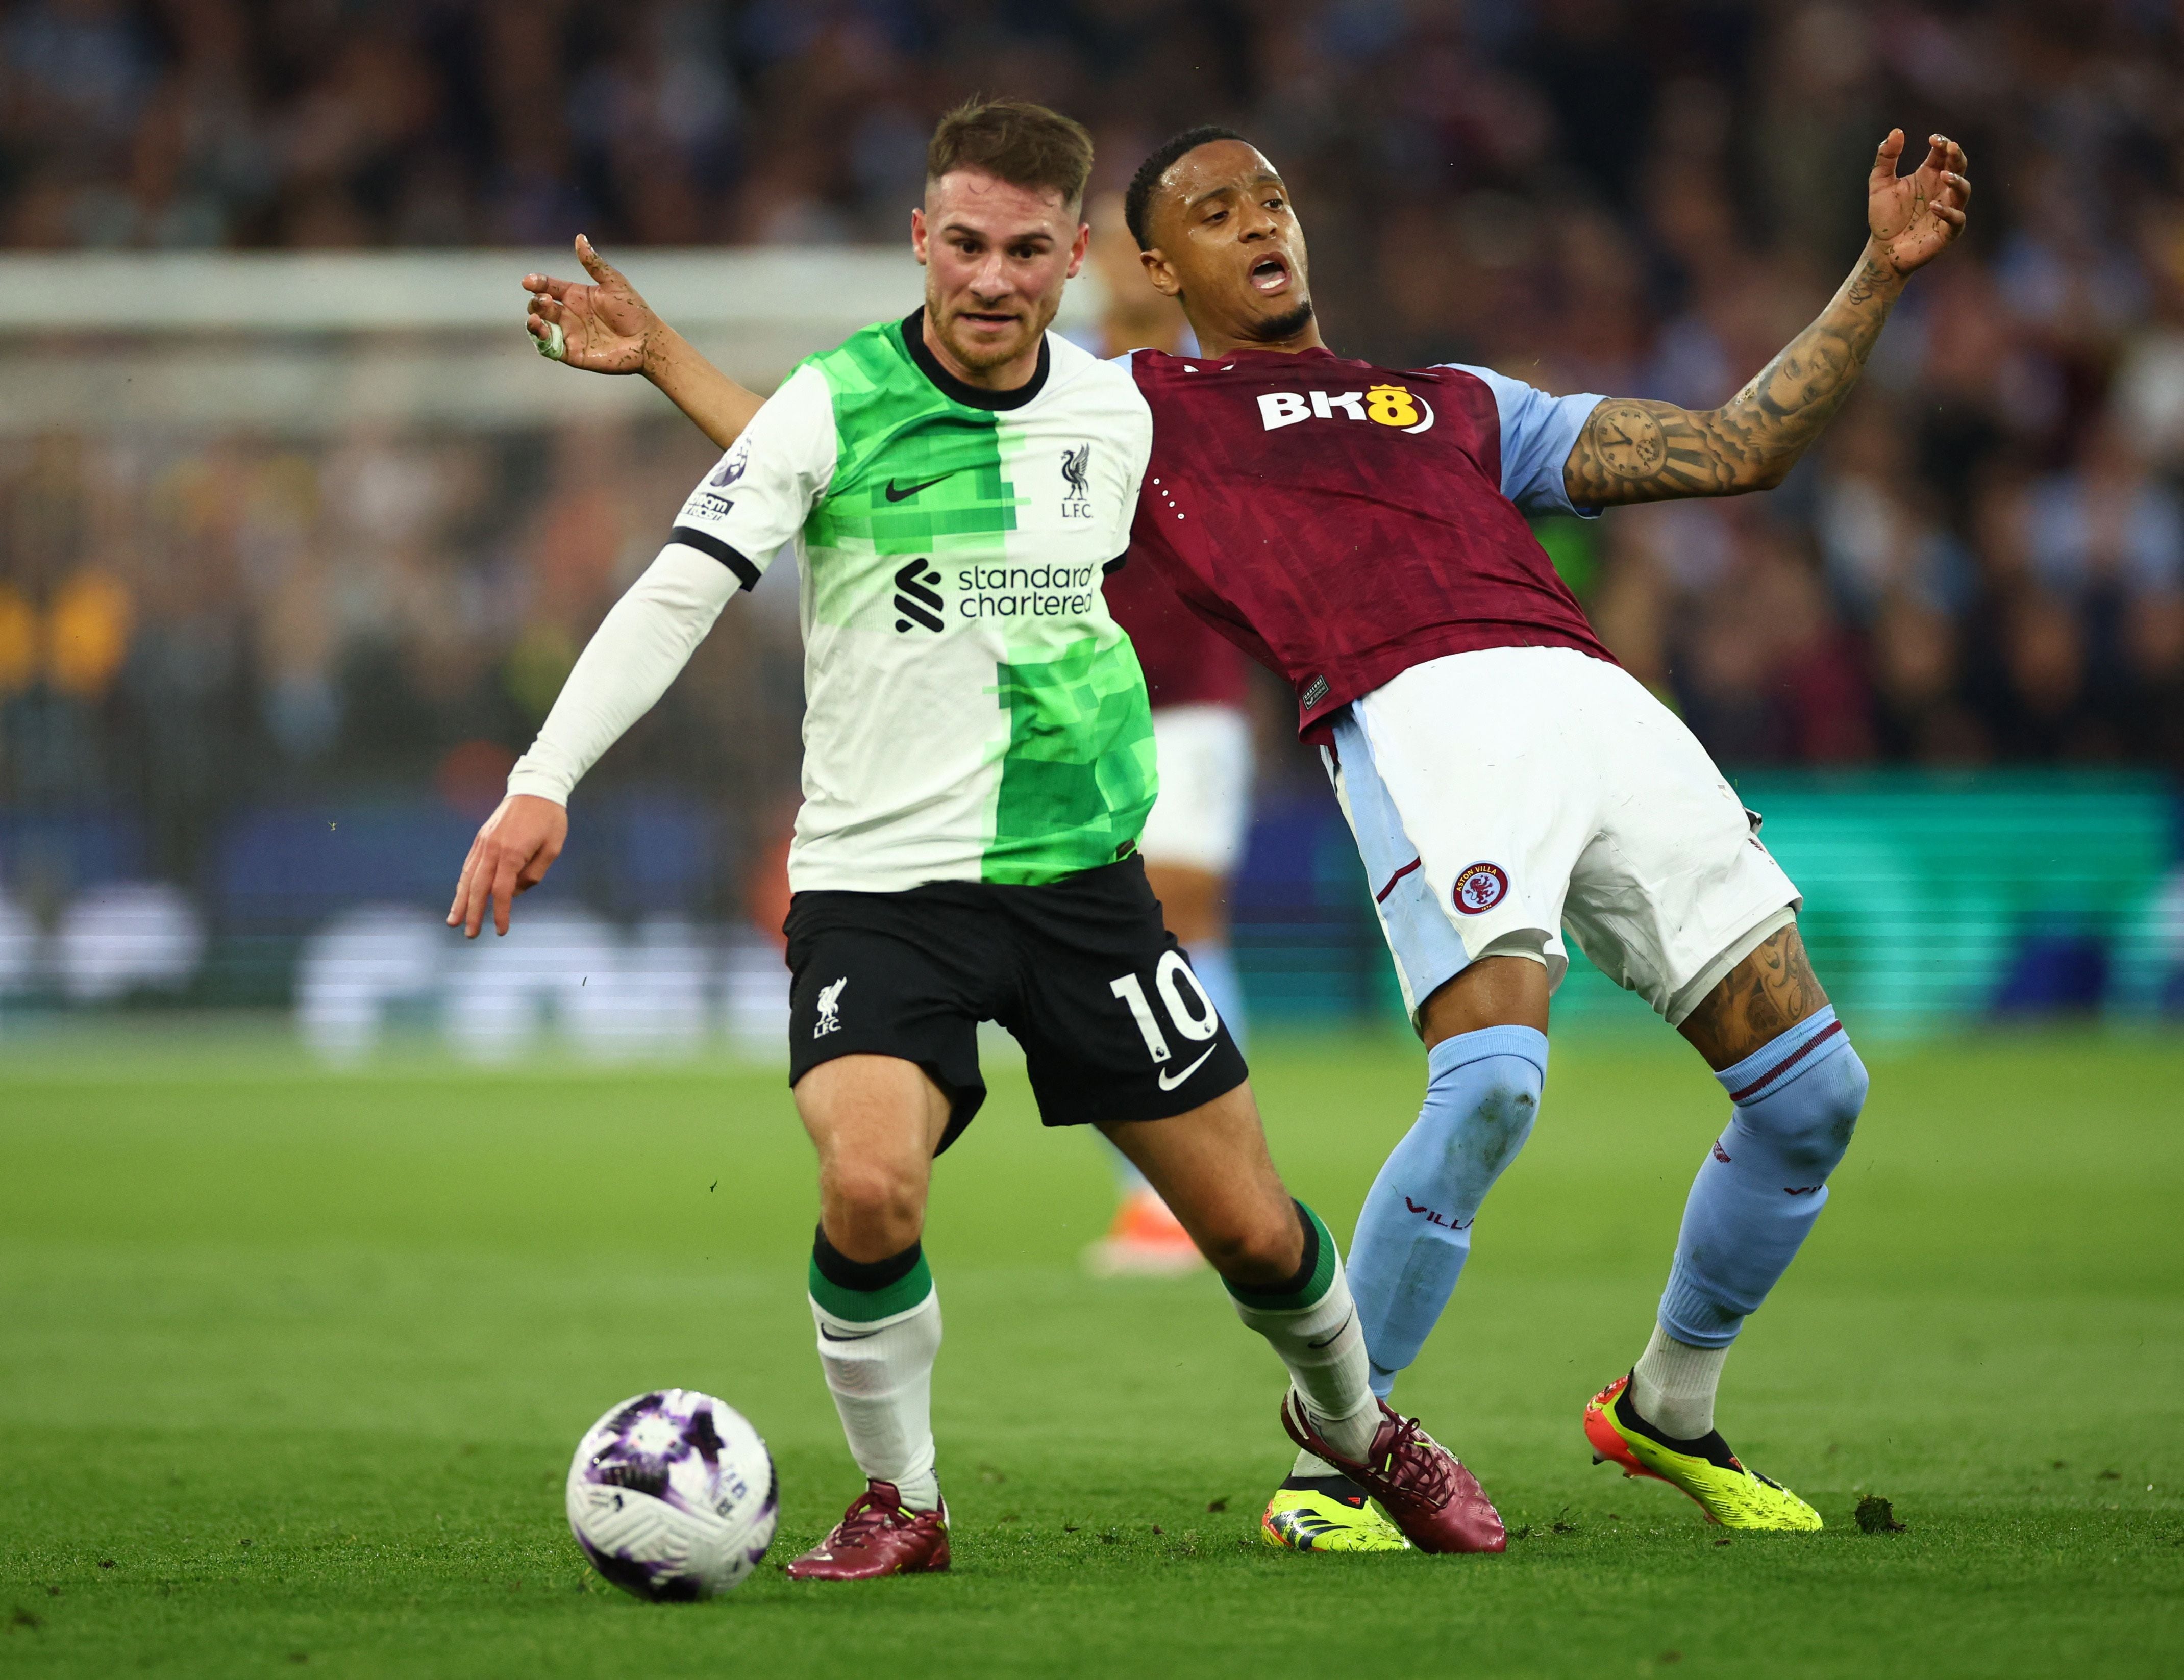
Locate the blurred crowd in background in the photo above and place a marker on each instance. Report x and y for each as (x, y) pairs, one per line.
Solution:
(185, 629)
(1983, 563)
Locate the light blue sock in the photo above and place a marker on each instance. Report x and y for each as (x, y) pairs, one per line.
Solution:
(1482, 1096)
(1217, 973)
(1797, 1099)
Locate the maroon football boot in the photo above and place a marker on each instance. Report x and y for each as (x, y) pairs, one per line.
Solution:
(876, 1536)
(1435, 1501)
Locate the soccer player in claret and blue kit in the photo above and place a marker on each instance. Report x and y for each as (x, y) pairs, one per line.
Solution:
(1361, 531)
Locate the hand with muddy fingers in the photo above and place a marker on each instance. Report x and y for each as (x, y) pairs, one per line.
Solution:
(605, 327)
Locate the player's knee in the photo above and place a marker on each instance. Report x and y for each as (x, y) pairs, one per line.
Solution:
(879, 1201)
(1257, 1254)
(1479, 1111)
(1255, 1258)
(1503, 1101)
(1812, 1119)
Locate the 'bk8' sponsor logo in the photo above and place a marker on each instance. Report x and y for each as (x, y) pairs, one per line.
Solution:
(1394, 406)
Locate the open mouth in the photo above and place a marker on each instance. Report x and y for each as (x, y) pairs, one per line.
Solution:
(987, 320)
(1270, 275)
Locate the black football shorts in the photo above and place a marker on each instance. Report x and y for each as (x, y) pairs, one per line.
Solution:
(1114, 1025)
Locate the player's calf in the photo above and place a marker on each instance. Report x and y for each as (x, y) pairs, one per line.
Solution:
(1796, 1101)
(1279, 1262)
(1414, 1234)
(1211, 1168)
(875, 1122)
(1762, 1186)
(1284, 1274)
(1796, 1093)
(1797, 1088)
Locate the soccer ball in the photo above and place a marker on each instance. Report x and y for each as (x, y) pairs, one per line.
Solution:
(673, 1496)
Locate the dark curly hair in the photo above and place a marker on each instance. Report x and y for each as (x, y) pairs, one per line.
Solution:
(1138, 200)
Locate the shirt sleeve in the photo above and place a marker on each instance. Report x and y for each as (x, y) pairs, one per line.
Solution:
(764, 489)
(639, 648)
(1538, 432)
(725, 537)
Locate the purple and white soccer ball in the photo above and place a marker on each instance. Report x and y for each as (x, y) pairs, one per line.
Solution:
(673, 1496)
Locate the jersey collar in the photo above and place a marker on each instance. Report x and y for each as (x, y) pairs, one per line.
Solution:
(954, 389)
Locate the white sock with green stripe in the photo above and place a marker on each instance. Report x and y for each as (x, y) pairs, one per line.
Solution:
(879, 1332)
(1313, 1324)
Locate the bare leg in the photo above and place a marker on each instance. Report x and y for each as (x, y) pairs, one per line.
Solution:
(1496, 992)
(1146, 1238)
(1211, 1167)
(1191, 902)
(1285, 1275)
(876, 1122)
(1761, 998)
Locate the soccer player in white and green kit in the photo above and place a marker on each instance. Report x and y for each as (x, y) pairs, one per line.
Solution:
(978, 762)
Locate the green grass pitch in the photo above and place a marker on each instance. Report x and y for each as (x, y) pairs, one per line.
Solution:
(290, 1365)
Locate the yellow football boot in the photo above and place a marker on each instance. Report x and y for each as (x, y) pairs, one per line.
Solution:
(1706, 1471)
(1327, 1513)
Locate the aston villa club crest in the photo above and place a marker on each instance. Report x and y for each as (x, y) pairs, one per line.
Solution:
(1480, 887)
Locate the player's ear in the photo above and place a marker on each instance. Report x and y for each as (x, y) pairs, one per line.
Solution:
(1077, 250)
(1164, 278)
(918, 232)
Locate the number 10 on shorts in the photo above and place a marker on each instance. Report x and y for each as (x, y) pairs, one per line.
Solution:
(1196, 1020)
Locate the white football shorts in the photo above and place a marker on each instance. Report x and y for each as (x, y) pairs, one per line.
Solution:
(1500, 795)
(1204, 804)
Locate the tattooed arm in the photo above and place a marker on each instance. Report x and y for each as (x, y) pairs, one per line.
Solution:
(1633, 450)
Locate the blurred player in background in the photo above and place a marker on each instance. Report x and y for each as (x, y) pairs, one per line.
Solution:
(958, 860)
(1198, 685)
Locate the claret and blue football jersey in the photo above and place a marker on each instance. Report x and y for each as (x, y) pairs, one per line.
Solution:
(1343, 522)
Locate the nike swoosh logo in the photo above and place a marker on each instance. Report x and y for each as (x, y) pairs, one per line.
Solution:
(860, 1337)
(905, 494)
(1329, 1341)
(1169, 1084)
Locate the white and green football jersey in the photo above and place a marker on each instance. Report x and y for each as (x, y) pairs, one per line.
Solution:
(971, 711)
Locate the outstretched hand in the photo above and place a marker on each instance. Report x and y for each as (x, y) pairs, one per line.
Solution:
(603, 328)
(511, 854)
(1914, 216)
